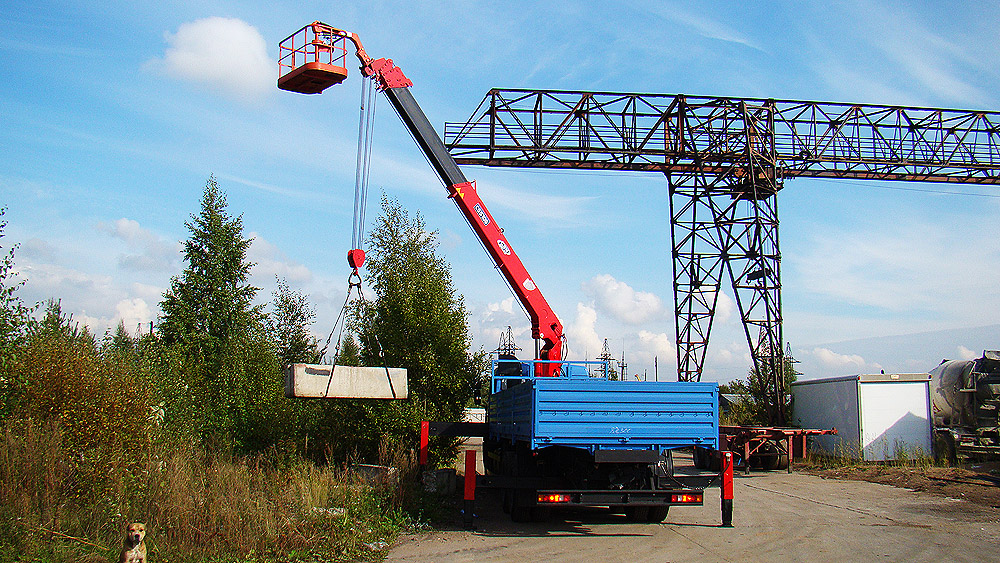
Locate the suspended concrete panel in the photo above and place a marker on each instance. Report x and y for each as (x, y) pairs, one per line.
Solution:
(346, 382)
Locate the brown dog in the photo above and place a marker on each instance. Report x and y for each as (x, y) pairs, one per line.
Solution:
(134, 546)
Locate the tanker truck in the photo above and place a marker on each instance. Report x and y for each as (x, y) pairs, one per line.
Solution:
(965, 401)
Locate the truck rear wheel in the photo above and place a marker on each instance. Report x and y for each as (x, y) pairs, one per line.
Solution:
(636, 513)
(541, 513)
(520, 513)
(657, 514)
(521, 505)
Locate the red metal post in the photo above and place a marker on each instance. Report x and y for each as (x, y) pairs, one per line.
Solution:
(425, 429)
(470, 488)
(727, 489)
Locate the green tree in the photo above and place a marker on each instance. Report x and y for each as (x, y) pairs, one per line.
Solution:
(417, 322)
(210, 304)
(753, 408)
(231, 382)
(98, 402)
(13, 321)
(289, 324)
(350, 352)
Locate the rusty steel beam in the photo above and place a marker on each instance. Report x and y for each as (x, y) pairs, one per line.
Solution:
(725, 159)
(673, 133)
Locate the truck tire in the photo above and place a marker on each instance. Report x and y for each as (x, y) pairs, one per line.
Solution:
(636, 513)
(520, 513)
(944, 448)
(782, 461)
(541, 513)
(657, 514)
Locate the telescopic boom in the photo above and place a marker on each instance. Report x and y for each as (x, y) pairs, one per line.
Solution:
(313, 59)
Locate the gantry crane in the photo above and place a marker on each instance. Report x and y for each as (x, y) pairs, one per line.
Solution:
(725, 160)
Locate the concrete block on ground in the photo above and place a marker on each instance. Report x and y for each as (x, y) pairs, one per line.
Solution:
(347, 382)
(443, 481)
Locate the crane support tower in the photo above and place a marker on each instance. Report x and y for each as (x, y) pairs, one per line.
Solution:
(725, 160)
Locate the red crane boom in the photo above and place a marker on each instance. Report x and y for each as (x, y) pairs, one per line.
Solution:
(313, 59)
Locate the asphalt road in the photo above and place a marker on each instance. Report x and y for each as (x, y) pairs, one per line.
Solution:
(777, 517)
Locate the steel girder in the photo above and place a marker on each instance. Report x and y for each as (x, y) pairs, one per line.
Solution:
(665, 132)
(725, 160)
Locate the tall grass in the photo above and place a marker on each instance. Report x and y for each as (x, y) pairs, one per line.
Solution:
(197, 506)
(899, 454)
(101, 435)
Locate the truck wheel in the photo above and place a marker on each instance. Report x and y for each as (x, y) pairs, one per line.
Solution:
(508, 495)
(541, 513)
(782, 461)
(636, 513)
(520, 514)
(521, 507)
(767, 457)
(657, 514)
(944, 448)
(715, 460)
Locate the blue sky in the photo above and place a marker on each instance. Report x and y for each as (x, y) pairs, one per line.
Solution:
(115, 114)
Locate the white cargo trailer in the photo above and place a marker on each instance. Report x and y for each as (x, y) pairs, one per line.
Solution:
(878, 417)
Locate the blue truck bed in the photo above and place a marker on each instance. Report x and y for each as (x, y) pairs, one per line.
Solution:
(594, 413)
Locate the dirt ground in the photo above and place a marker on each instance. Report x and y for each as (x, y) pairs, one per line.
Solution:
(863, 513)
(976, 483)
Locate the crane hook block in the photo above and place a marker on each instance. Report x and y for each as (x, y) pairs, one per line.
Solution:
(355, 258)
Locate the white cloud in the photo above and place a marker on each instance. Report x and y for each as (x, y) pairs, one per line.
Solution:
(621, 301)
(37, 249)
(966, 354)
(880, 264)
(706, 27)
(494, 318)
(844, 362)
(725, 309)
(155, 253)
(88, 296)
(279, 190)
(225, 54)
(133, 313)
(582, 334)
(532, 204)
(924, 54)
(269, 261)
(659, 346)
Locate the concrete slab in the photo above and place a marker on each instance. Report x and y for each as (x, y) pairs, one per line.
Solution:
(346, 382)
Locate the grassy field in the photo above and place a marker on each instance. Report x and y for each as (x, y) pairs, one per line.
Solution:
(199, 506)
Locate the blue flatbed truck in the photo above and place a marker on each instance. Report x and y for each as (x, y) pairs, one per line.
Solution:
(581, 439)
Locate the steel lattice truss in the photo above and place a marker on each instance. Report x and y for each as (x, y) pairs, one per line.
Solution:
(725, 160)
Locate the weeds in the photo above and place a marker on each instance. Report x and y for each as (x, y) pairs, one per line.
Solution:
(199, 506)
(851, 456)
